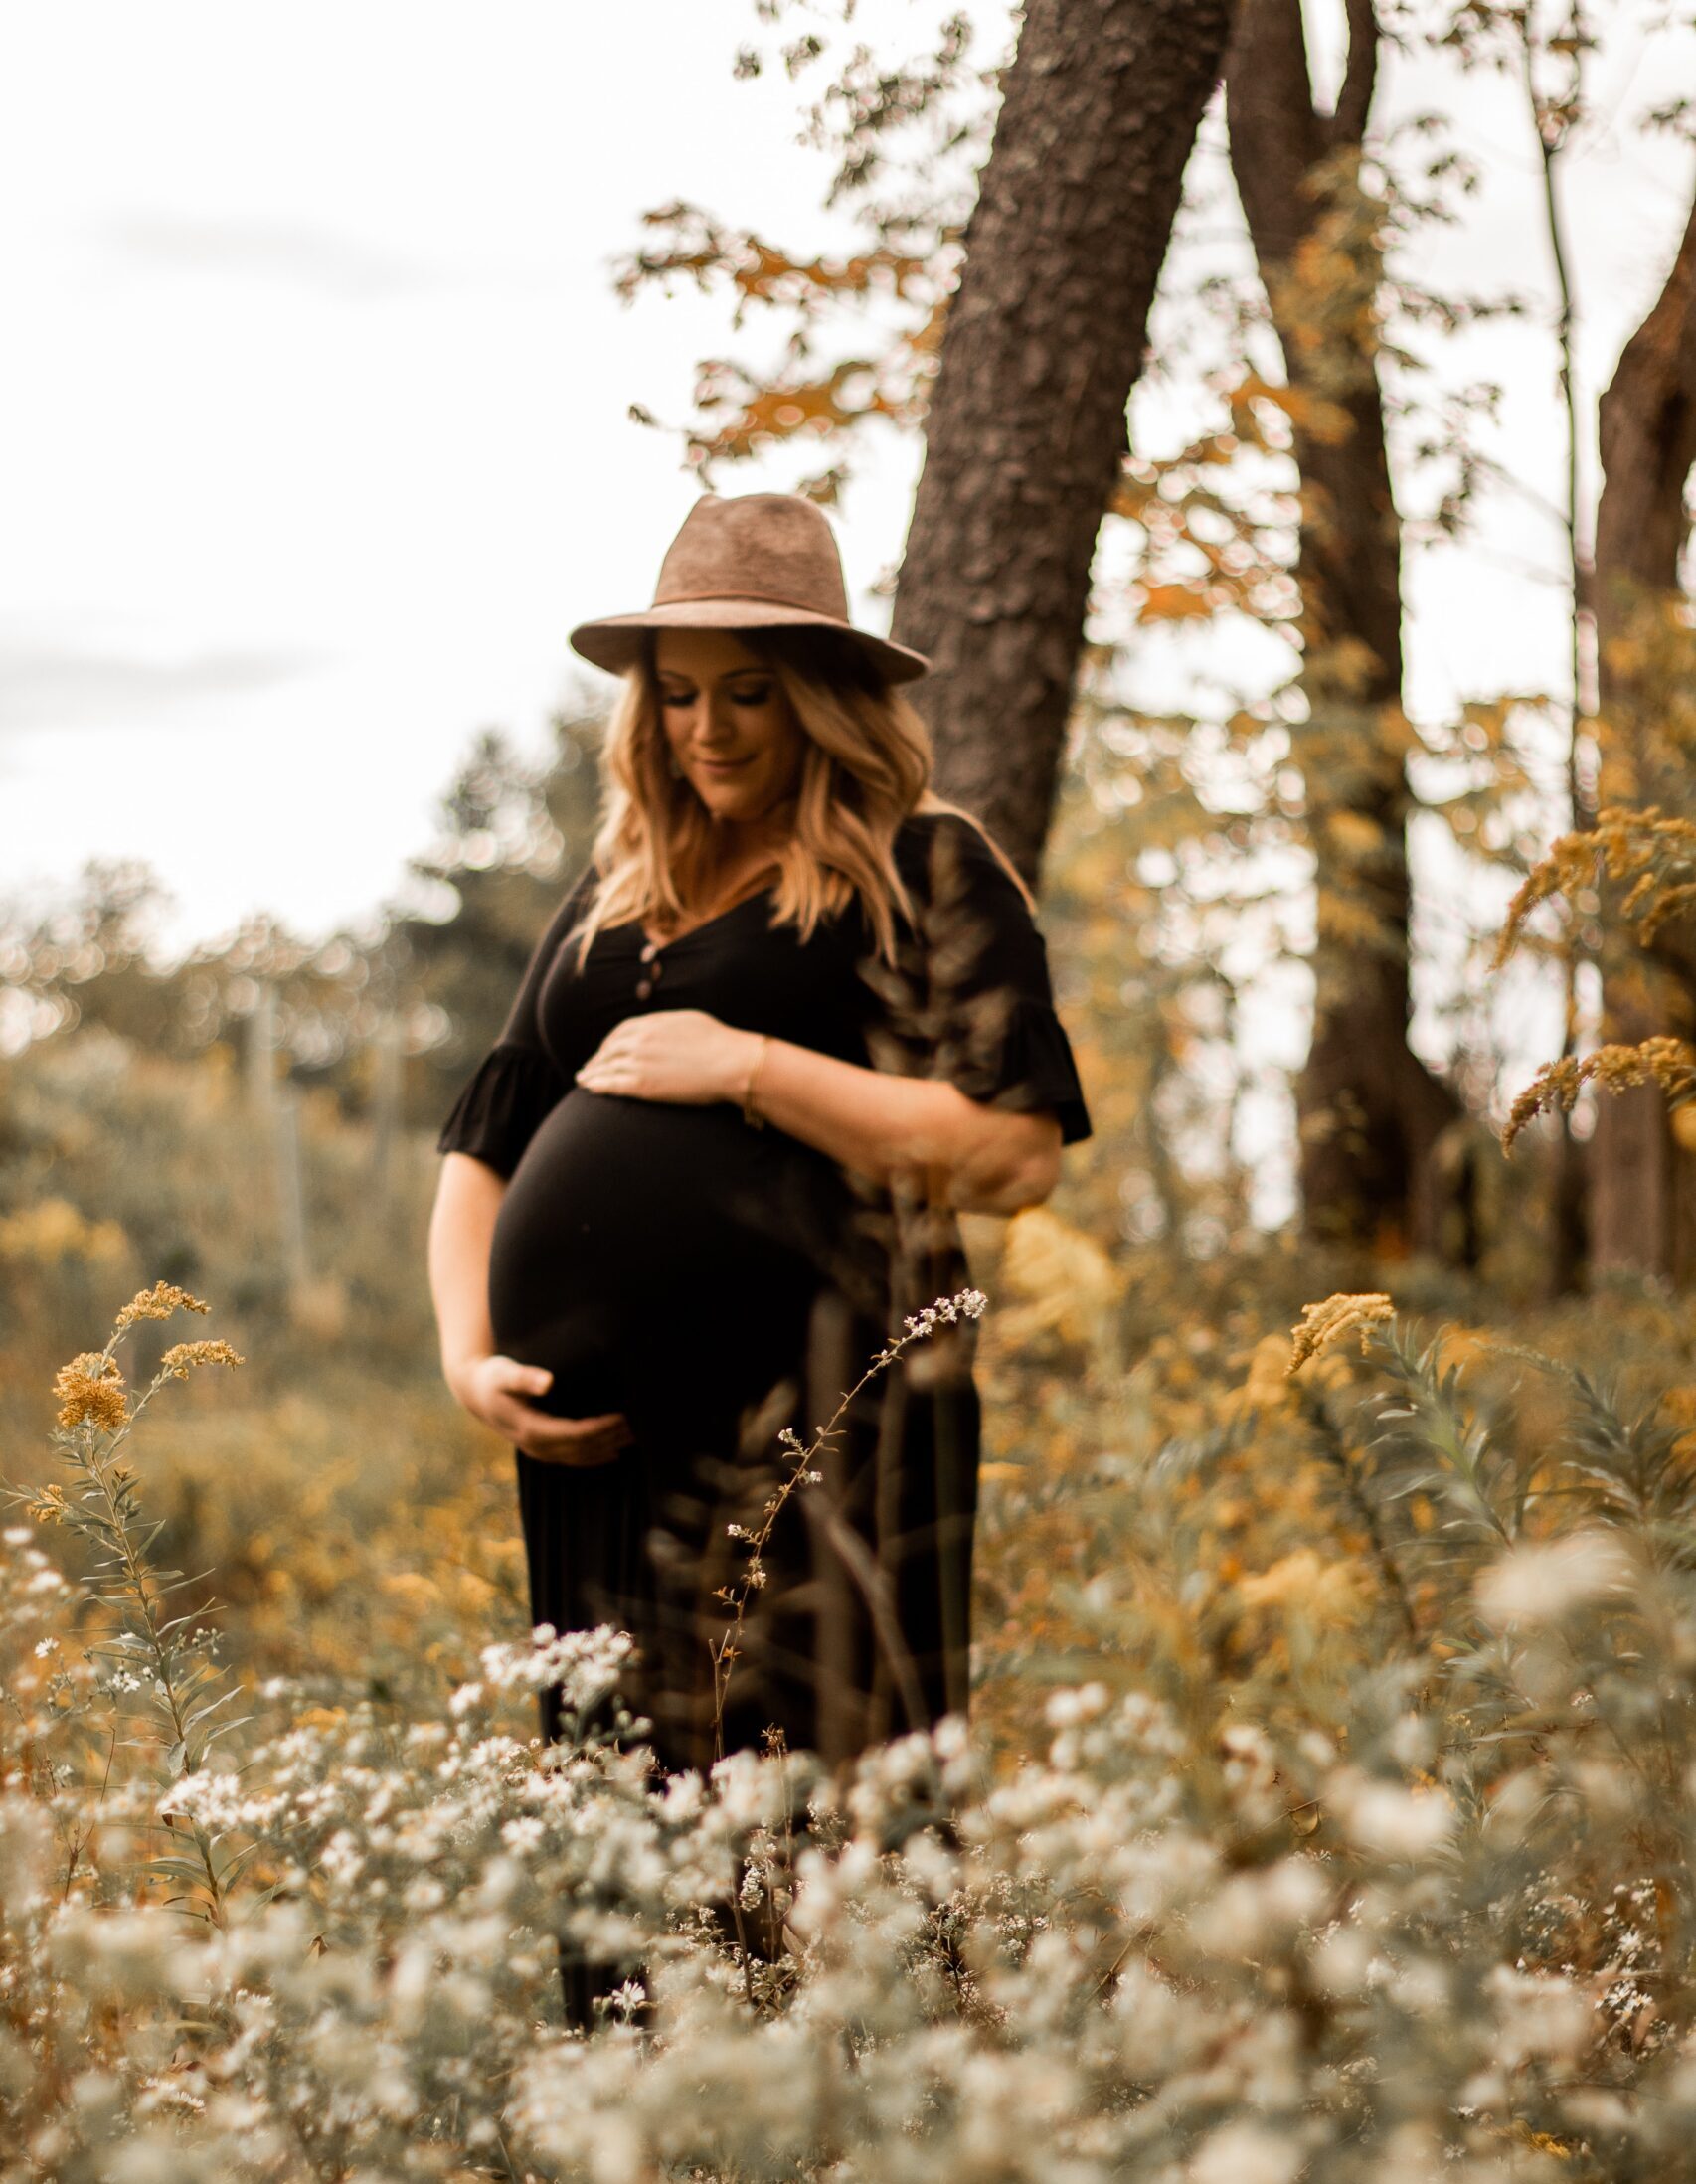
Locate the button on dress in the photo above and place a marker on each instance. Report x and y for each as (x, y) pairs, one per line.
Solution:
(718, 1283)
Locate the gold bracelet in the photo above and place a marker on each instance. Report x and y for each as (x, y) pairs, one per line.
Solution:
(750, 1113)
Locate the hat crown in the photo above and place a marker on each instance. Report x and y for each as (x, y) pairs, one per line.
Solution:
(774, 548)
(760, 561)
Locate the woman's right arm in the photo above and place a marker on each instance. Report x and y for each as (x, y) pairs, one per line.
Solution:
(461, 1226)
(491, 1386)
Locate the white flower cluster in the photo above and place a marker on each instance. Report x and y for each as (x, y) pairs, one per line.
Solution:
(966, 1305)
(584, 1666)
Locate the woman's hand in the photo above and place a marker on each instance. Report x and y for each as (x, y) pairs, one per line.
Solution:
(679, 1055)
(493, 1389)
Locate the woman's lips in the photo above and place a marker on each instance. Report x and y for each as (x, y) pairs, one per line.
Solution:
(724, 766)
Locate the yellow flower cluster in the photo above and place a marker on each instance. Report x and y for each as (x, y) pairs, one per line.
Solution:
(91, 1387)
(52, 1229)
(180, 1356)
(49, 1506)
(1670, 1063)
(1650, 851)
(1337, 1317)
(159, 1302)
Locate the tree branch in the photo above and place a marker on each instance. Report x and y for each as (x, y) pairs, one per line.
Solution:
(1276, 135)
(1347, 124)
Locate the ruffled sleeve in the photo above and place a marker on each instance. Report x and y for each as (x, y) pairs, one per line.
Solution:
(502, 1106)
(1028, 1065)
(984, 998)
(516, 1084)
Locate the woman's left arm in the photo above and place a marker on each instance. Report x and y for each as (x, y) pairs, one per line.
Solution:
(982, 1159)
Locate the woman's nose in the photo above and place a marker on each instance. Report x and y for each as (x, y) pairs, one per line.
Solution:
(715, 722)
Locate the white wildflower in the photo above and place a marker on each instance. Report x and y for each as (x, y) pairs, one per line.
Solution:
(1341, 1963)
(1544, 1581)
(1258, 1908)
(1246, 2153)
(584, 1666)
(341, 1858)
(1387, 1821)
(970, 1303)
(1081, 1703)
(1538, 2015)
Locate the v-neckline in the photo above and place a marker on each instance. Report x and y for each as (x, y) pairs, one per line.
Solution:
(653, 948)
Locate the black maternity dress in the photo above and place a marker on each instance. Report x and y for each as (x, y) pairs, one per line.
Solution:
(718, 1283)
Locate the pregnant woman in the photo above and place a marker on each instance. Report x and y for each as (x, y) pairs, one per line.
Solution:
(791, 1018)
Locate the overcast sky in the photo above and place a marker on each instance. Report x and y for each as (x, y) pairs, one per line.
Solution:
(313, 437)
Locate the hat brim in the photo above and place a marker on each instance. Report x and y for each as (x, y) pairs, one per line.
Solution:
(616, 641)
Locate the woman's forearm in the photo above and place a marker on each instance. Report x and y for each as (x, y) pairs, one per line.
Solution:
(979, 1158)
(461, 1227)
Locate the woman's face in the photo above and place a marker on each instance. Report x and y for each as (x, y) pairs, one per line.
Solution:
(728, 723)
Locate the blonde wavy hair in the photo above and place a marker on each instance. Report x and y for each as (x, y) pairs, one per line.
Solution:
(865, 767)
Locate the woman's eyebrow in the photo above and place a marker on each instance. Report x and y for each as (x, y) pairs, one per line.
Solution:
(729, 675)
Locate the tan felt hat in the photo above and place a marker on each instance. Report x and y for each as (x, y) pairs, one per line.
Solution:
(758, 560)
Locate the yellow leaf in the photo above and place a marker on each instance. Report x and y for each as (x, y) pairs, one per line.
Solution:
(1064, 1279)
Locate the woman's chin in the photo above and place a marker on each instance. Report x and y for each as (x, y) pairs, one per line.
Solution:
(738, 801)
(734, 807)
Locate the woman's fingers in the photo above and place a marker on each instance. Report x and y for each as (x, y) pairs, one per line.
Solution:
(506, 1403)
(523, 1380)
(572, 1440)
(580, 1456)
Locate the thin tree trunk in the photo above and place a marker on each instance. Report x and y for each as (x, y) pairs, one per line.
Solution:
(1569, 1227)
(388, 1084)
(1375, 1123)
(261, 1053)
(1642, 1182)
(290, 1190)
(1026, 430)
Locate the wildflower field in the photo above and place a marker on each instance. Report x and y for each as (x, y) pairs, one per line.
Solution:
(1325, 1813)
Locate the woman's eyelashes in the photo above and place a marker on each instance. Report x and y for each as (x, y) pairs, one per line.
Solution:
(749, 695)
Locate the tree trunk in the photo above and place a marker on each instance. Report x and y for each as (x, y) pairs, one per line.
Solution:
(1026, 430)
(1377, 1127)
(1643, 1183)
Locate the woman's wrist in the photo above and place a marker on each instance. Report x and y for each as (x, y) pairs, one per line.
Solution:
(751, 1113)
(457, 1369)
(746, 1067)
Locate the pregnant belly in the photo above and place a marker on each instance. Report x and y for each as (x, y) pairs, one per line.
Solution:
(653, 1257)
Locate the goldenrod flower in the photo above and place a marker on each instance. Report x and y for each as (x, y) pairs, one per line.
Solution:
(1669, 1063)
(1323, 1324)
(159, 1302)
(182, 1355)
(91, 1387)
(1652, 852)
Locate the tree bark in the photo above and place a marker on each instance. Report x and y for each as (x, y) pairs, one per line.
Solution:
(1377, 1127)
(1643, 1183)
(1044, 337)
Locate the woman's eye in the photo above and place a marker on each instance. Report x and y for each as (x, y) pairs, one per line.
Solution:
(677, 696)
(752, 697)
